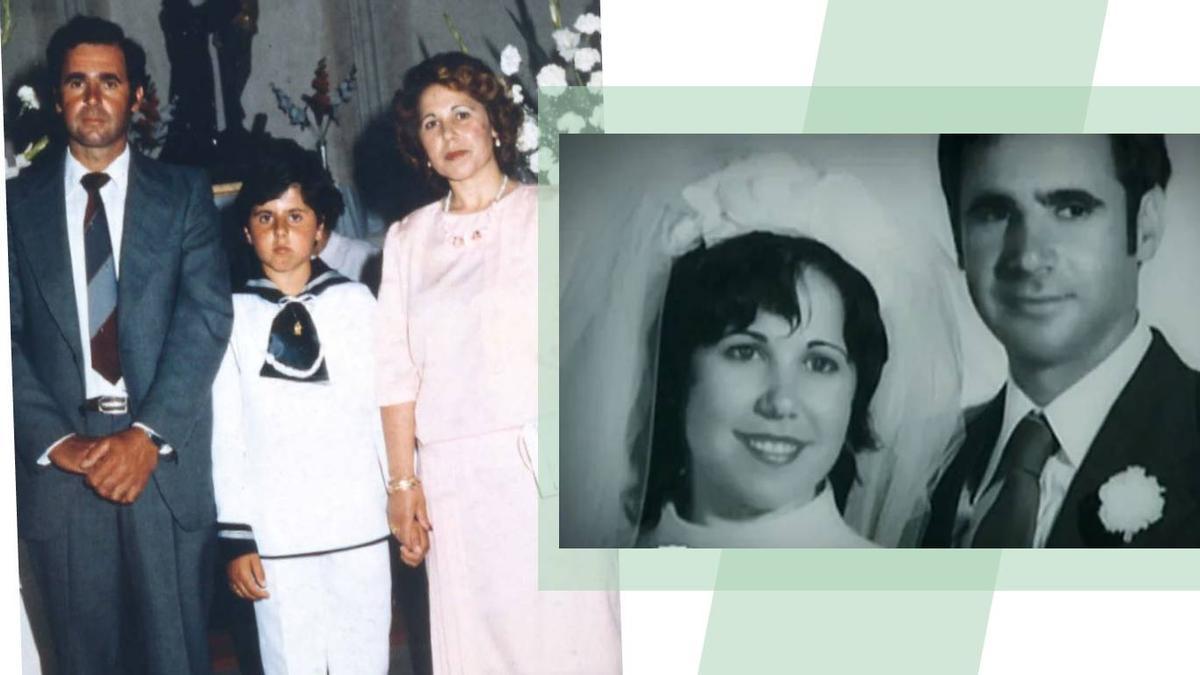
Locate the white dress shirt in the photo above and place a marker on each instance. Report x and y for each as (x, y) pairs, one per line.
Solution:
(1075, 417)
(112, 194)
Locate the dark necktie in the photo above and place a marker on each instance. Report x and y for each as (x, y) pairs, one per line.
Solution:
(101, 280)
(1012, 520)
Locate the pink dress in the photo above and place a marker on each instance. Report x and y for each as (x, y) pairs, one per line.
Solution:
(458, 335)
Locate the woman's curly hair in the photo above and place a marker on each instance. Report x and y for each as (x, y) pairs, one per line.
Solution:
(466, 74)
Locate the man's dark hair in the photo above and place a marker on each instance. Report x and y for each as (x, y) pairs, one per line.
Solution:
(1141, 163)
(92, 30)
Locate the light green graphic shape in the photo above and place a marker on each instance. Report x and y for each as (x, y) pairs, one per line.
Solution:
(911, 53)
(845, 632)
(953, 43)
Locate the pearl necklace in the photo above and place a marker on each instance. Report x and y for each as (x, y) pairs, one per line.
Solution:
(499, 194)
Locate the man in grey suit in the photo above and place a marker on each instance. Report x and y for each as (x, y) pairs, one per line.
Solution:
(120, 313)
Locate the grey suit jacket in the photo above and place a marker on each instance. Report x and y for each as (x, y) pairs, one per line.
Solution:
(174, 319)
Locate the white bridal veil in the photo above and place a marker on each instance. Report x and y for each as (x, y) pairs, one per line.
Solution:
(613, 280)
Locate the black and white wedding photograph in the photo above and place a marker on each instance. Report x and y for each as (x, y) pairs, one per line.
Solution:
(880, 341)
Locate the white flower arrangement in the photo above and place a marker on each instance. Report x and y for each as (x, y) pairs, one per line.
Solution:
(527, 139)
(566, 41)
(552, 75)
(510, 60)
(28, 98)
(586, 59)
(29, 104)
(1130, 502)
(587, 23)
(574, 60)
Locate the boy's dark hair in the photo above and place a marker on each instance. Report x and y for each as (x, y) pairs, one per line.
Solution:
(1140, 160)
(92, 30)
(715, 291)
(280, 165)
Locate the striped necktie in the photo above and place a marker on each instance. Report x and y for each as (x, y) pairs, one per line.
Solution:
(101, 280)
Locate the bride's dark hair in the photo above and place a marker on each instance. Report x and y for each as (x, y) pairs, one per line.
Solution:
(715, 291)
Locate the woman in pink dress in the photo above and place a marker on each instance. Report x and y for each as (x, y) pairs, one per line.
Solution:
(457, 359)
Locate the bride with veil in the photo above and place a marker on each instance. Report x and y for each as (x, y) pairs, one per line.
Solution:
(615, 347)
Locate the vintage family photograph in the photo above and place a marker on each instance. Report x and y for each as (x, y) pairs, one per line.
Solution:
(273, 274)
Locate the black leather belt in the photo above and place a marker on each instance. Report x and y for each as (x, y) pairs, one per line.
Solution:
(108, 405)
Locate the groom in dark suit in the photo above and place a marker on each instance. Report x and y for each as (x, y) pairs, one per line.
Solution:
(120, 313)
(1095, 438)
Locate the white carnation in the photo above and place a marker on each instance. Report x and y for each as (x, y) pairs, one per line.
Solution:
(28, 97)
(1130, 502)
(596, 81)
(586, 59)
(570, 123)
(587, 23)
(552, 75)
(517, 94)
(566, 40)
(532, 159)
(527, 139)
(510, 60)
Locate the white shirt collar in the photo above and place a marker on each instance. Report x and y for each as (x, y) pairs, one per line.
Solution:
(1076, 415)
(117, 170)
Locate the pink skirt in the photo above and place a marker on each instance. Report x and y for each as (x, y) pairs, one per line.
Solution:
(486, 612)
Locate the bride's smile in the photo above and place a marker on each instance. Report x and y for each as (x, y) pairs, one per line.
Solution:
(771, 449)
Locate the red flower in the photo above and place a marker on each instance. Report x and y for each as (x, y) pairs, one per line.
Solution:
(319, 100)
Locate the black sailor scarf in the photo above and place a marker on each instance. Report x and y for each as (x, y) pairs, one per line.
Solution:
(294, 348)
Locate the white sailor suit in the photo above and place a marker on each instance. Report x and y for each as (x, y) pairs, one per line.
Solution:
(299, 471)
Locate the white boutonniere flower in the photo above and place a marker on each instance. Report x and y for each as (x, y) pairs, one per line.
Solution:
(1130, 502)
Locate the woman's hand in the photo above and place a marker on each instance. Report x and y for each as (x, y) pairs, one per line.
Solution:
(409, 523)
(247, 579)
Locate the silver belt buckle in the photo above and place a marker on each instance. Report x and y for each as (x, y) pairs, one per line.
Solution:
(112, 405)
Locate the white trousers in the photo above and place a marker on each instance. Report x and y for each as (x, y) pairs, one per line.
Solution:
(329, 612)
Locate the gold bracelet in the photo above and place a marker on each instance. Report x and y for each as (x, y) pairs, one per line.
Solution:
(402, 484)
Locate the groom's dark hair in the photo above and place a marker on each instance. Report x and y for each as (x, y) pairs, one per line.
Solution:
(1140, 160)
(719, 290)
